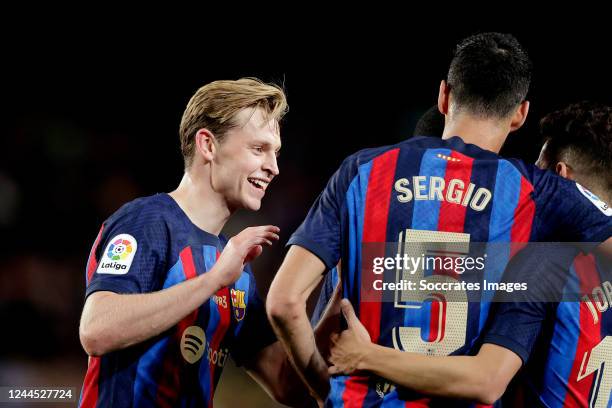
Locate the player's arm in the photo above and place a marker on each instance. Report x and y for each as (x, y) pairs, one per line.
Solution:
(316, 248)
(271, 367)
(112, 321)
(273, 371)
(483, 377)
(299, 274)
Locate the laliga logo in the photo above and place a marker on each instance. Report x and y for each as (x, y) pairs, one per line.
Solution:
(119, 255)
(119, 250)
(238, 303)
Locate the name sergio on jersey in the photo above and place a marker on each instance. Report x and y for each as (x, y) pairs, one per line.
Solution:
(435, 188)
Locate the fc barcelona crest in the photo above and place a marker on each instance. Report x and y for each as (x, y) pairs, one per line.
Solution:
(238, 303)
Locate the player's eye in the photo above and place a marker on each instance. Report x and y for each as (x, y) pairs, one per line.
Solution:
(258, 149)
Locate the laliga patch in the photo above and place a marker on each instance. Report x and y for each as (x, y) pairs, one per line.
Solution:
(602, 206)
(118, 255)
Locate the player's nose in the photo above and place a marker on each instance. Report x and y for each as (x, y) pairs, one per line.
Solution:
(271, 165)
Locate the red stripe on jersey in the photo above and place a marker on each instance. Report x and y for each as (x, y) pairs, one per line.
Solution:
(219, 334)
(374, 231)
(589, 336)
(169, 384)
(355, 391)
(452, 215)
(523, 217)
(421, 403)
(89, 398)
(92, 262)
(452, 219)
(188, 265)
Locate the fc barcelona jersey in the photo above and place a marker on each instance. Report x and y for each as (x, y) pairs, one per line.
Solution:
(431, 190)
(149, 245)
(566, 345)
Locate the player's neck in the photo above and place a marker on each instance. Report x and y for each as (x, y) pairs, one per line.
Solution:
(484, 133)
(202, 205)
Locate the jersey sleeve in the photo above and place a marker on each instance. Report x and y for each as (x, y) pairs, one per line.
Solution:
(321, 231)
(516, 326)
(129, 256)
(254, 332)
(567, 211)
(517, 318)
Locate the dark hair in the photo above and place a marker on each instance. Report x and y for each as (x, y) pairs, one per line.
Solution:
(581, 135)
(489, 74)
(430, 124)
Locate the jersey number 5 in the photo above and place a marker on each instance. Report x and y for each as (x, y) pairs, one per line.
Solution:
(448, 309)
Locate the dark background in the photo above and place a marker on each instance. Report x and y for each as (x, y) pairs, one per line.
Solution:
(90, 121)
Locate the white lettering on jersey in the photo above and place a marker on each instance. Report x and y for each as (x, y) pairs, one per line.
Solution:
(435, 188)
(599, 300)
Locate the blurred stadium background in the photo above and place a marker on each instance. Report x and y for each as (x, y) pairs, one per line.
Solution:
(91, 123)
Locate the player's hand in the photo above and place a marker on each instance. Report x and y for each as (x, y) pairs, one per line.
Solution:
(349, 347)
(241, 249)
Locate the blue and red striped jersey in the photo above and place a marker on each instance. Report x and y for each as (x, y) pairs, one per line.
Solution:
(566, 345)
(149, 245)
(433, 190)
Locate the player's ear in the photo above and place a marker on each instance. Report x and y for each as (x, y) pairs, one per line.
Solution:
(443, 97)
(205, 144)
(564, 170)
(520, 115)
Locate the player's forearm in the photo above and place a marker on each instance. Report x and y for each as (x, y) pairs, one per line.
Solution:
(449, 376)
(292, 327)
(286, 308)
(113, 321)
(289, 389)
(272, 369)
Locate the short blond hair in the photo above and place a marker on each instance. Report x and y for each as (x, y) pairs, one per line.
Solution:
(215, 105)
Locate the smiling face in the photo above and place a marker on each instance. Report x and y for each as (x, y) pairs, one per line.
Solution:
(244, 162)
